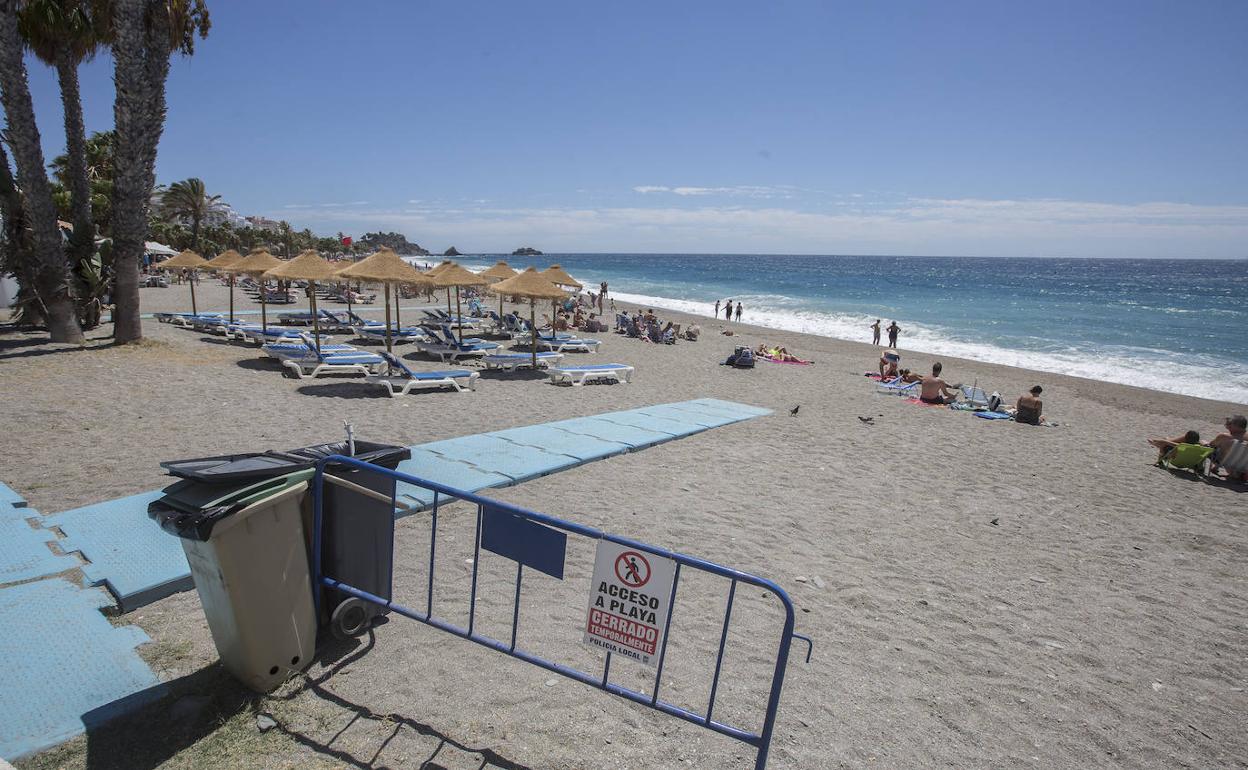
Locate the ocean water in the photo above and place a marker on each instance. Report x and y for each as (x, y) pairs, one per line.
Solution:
(1171, 325)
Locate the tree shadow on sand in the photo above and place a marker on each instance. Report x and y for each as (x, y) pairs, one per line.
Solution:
(196, 706)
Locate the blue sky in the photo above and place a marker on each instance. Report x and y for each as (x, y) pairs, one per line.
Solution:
(902, 127)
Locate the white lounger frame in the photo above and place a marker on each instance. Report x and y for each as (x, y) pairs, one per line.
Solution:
(576, 377)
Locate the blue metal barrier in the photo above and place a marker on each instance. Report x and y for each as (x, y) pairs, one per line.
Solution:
(761, 740)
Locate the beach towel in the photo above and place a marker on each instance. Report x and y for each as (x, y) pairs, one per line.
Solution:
(778, 361)
(994, 415)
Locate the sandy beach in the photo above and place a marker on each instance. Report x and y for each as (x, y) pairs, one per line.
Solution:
(980, 594)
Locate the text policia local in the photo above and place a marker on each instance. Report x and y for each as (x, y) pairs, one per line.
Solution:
(627, 603)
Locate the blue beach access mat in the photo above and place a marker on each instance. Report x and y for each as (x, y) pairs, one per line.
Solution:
(24, 552)
(65, 666)
(139, 563)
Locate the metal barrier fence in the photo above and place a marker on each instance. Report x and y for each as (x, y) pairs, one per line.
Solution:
(487, 507)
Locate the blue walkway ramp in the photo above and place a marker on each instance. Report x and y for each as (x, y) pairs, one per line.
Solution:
(9, 498)
(125, 551)
(140, 563)
(64, 665)
(24, 552)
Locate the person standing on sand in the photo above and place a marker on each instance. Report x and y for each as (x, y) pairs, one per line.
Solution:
(728, 310)
(875, 332)
(602, 294)
(738, 311)
(717, 308)
(893, 331)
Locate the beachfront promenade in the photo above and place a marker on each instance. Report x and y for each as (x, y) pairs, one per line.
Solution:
(963, 578)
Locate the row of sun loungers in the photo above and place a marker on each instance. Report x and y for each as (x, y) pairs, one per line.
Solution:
(295, 348)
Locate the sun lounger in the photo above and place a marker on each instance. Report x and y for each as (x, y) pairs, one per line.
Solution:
(313, 364)
(562, 344)
(400, 380)
(255, 333)
(178, 319)
(511, 361)
(293, 347)
(579, 375)
(450, 350)
(377, 333)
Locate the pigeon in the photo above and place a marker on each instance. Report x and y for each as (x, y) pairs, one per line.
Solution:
(995, 522)
(793, 411)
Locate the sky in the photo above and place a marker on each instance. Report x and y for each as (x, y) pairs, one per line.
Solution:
(1084, 129)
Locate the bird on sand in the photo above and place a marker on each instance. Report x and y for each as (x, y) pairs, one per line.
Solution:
(793, 411)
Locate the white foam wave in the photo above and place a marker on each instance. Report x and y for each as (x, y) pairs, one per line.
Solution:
(1187, 374)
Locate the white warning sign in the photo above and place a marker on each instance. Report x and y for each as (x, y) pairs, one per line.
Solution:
(628, 602)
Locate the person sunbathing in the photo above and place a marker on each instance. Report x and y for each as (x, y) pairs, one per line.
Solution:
(1236, 430)
(909, 376)
(888, 364)
(935, 390)
(1165, 446)
(782, 354)
(1028, 409)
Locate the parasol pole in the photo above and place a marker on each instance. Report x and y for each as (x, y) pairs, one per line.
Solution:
(264, 311)
(459, 318)
(398, 300)
(533, 329)
(316, 321)
(389, 348)
(191, 274)
(231, 298)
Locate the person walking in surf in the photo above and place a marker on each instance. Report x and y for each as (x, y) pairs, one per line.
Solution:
(893, 331)
(717, 308)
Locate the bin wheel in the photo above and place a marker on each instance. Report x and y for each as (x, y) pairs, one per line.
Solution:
(351, 618)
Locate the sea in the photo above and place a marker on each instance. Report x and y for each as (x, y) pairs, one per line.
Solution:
(1172, 325)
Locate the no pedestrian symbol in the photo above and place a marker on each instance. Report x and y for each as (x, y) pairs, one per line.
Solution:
(628, 601)
(632, 569)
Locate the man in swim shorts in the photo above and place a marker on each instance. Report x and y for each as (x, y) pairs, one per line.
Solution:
(935, 390)
(875, 332)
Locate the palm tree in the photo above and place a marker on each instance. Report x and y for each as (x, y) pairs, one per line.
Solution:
(50, 276)
(62, 35)
(99, 176)
(286, 234)
(189, 199)
(143, 35)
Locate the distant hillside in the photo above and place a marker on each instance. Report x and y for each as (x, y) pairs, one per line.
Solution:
(396, 241)
(526, 251)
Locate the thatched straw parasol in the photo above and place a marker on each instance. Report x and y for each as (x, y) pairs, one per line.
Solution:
(500, 271)
(456, 276)
(387, 268)
(225, 259)
(533, 285)
(187, 260)
(558, 276)
(257, 263)
(309, 267)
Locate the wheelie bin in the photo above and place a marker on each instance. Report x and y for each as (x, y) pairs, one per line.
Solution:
(241, 520)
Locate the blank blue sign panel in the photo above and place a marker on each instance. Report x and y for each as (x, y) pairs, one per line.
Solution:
(523, 541)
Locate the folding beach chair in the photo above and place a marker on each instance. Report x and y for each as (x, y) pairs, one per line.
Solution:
(1191, 457)
(1233, 459)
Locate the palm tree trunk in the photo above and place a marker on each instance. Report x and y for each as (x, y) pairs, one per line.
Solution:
(141, 53)
(50, 276)
(195, 234)
(18, 257)
(82, 243)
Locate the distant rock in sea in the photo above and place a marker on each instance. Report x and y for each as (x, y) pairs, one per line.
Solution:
(451, 252)
(394, 241)
(526, 251)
